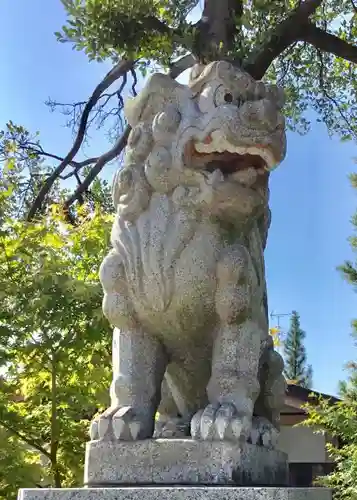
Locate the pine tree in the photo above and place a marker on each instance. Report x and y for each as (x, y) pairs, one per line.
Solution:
(296, 368)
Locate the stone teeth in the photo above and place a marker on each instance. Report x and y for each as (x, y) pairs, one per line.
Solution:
(220, 145)
(200, 147)
(230, 148)
(217, 136)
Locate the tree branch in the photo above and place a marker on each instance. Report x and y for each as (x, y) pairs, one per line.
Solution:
(327, 42)
(327, 95)
(76, 164)
(175, 70)
(181, 65)
(26, 440)
(287, 32)
(102, 160)
(118, 71)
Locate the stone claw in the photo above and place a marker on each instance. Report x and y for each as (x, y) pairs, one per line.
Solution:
(93, 430)
(196, 424)
(120, 423)
(220, 422)
(263, 433)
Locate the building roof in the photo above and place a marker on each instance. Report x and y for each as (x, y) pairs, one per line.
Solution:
(305, 395)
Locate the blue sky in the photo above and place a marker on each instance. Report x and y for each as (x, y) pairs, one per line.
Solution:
(311, 199)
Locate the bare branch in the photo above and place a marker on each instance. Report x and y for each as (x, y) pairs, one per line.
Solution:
(102, 160)
(176, 69)
(327, 42)
(37, 149)
(120, 98)
(327, 95)
(71, 110)
(118, 71)
(135, 81)
(74, 111)
(99, 162)
(287, 32)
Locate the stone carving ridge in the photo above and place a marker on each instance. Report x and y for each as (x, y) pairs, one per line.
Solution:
(184, 284)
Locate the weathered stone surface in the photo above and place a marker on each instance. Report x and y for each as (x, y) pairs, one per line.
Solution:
(178, 461)
(184, 284)
(179, 493)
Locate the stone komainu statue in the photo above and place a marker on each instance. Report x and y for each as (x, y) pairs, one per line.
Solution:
(184, 285)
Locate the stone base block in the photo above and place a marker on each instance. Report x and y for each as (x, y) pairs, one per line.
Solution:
(182, 461)
(178, 493)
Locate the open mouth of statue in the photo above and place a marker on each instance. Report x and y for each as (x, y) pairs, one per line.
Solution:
(215, 153)
(231, 163)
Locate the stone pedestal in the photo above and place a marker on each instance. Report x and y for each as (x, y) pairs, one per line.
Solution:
(183, 461)
(178, 493)
(181, 469)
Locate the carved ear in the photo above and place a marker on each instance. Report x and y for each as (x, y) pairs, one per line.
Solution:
(196, 72)
(159, 91)
(276, 94)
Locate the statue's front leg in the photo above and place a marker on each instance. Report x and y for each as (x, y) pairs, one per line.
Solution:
(233, 386)
(139, 364)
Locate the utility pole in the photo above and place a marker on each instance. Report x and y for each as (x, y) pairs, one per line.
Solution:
(280, 335)
(278, 316)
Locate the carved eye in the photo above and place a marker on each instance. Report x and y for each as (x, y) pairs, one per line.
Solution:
(212, 97)
(223, 96)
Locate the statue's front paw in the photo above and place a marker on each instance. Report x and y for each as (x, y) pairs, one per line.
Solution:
(124, 423)
(220, 422)
(263, 433)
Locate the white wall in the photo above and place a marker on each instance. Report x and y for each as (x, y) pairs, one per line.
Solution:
(302, 445)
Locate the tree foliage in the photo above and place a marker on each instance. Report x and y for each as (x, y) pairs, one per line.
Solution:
(20, 466)
(25, 172)
(54, 341)
(145, 29)
(296, 370)
(312, 58)
(339, 420)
